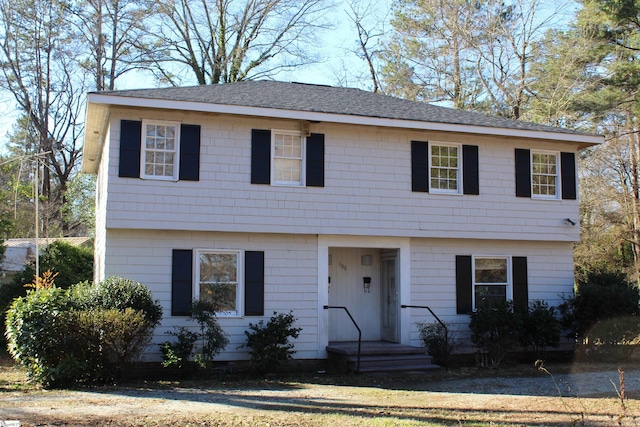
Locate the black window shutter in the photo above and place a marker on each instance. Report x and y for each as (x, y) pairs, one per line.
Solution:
(464, 284)
(260, 156)
(470, 172)
(520, 283)
(181, 282)
(523, 172)
(568, 169)
(190, 152)
(315, 160)
(254, 283)
(130, 140)
(420, 166)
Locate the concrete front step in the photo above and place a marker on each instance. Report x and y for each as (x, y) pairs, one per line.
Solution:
(380, 356)
(389, 368)
(391, 362)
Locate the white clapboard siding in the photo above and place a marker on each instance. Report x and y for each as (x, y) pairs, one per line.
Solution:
(367, 188)
(290, 278)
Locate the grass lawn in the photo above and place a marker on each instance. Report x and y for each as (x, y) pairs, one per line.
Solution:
(435, 399)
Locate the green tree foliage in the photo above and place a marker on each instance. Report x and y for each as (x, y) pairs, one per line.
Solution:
(604, 312)
(17, 193)
(563, 80)
(5, 227)
(611, 214)
(472, 55)
(87, 333)
(73, 264)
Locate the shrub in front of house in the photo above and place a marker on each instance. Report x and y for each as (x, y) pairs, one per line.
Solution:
(84, 334)
(494, 331)
(269, 343)
(201, 347)
(437, 341)
(539, 328)
(498, 329)
(604, 316)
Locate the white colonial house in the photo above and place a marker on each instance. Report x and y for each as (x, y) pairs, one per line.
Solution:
(288, 196)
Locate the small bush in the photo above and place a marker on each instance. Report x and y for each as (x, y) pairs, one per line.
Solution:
(82, 334)
(270, 343)
(539, 328)
(179, 352)
(437, 342)
(211, 337)
(494, 330)
(108, 340)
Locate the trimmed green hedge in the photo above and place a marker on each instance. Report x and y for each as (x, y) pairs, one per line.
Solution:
(86, 334)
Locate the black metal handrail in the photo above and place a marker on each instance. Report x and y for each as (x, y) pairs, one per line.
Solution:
(326, 307)
(446, 330)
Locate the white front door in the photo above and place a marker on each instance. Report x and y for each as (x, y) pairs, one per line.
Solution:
(347, 289)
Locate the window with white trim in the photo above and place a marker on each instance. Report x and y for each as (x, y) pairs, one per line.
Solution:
(544, 174)
(219, 280)
(288, 150)
(160, 150)
(491, 280)
(445, 168)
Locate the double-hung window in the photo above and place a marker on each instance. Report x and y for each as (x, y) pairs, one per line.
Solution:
(445, 168)
(288, 150)
(160, 150)
(544, 174)
(491, 280)
(219, 280)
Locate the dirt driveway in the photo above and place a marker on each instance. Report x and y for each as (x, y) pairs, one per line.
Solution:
(588, 398)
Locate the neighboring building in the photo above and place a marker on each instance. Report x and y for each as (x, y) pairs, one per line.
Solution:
(20, 252)
(284, 196)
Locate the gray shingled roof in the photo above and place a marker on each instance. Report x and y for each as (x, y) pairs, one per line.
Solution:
(328, 99)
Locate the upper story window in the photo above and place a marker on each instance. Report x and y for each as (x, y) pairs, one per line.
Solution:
(491, 280)
(160, 148)
(444, 168)
(544, 174)
(287, 158)
(219, 280)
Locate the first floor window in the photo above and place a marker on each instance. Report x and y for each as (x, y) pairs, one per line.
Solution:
(491, 280)
(444, 168)
(218, 281)
(544, 174)
(160, 149)
(287, 156)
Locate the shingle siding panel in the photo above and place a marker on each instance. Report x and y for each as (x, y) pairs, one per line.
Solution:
(147, 258)
(366, 192)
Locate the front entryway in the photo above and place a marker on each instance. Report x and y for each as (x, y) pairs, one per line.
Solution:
(364, 280)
